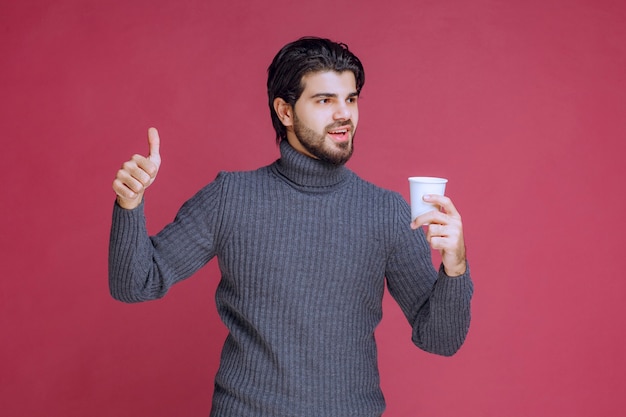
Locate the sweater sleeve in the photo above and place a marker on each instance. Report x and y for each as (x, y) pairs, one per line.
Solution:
(142, 267)
(436, 306)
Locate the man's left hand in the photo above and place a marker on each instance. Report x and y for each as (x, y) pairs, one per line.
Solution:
(444, 233)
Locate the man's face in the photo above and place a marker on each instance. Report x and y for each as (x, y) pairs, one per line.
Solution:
(325, 117)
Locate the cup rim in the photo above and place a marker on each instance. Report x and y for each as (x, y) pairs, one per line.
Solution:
(431, 180)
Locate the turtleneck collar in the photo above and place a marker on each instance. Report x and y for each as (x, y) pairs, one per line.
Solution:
(308, 172)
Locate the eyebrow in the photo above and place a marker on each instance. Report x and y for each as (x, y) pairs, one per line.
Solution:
(333, 95)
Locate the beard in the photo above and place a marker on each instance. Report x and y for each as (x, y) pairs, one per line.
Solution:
(315, 143)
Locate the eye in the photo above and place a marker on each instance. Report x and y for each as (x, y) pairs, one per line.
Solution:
(352, 99)
(324, 101)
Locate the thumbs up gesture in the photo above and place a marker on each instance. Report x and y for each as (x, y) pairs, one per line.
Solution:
(137, 174)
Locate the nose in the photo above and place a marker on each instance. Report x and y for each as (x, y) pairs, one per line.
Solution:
(342, 112)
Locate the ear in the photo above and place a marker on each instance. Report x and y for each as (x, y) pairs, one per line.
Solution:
(284, 111)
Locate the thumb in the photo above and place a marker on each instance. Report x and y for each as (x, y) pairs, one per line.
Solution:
(154, 142)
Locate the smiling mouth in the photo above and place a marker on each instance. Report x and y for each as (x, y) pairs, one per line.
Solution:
(340, 134)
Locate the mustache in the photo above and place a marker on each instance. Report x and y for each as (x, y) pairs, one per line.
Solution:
(336, 125)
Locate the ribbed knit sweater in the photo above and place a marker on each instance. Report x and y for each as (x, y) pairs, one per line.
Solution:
(304, 248)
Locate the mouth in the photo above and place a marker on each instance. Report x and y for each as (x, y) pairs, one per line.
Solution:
(340, 134)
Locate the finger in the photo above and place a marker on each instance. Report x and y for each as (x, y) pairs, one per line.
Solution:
(128, 189)
(126, 197)
(433, 232)
(142, 168)
(437, 242)
(444, 202)
(425, 219)
(122, 190)
(135, 179)
(439, 230)
(445, 236)
(155, 143)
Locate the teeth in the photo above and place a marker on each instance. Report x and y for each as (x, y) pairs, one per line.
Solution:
(339, 132)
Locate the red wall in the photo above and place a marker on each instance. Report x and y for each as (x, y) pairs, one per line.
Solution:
(521, 104)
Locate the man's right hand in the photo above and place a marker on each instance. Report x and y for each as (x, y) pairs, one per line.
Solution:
(137, 174)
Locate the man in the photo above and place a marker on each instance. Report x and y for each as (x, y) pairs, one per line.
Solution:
(304, 247)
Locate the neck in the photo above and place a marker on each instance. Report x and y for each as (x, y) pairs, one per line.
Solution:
(308, 172)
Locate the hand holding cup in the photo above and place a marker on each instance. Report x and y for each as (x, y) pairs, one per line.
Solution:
(444, 228)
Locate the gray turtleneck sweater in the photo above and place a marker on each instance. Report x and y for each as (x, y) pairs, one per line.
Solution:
(304, 248)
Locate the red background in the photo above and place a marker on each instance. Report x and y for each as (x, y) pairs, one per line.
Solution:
(521, 104)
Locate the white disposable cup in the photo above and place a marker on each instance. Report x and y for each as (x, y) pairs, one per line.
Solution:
(420, 186)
